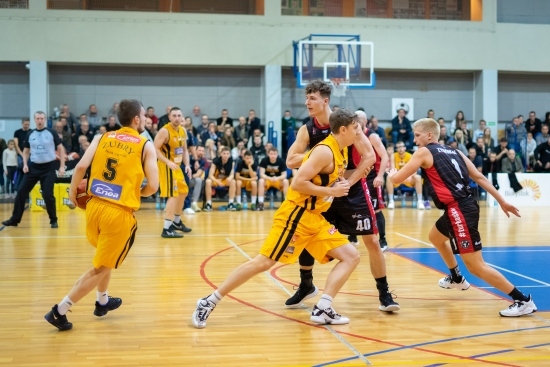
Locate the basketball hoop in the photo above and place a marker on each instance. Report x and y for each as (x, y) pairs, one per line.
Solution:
(338, 87)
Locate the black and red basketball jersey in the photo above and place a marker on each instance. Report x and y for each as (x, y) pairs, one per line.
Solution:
(449, 178)
(317, 133)
(374, 172)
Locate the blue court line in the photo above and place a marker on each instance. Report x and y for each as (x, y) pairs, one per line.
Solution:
(412, 346)
(537, 345)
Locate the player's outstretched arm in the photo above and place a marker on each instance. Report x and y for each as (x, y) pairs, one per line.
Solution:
(296, 153)
(364, 148)
(482, 181)
(321, 160)
(419, 159)
(81, 167)
(150, 169)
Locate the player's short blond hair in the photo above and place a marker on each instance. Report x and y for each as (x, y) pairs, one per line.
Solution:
(427, 125)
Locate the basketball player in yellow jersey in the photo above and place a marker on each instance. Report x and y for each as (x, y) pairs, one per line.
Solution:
(298, 224)
(400, 158)
(118, 161)
(171, 147)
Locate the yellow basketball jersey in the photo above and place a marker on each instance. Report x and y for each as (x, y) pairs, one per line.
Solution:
(317, 204)
(116, 172)
(400, 162)
(173, 149)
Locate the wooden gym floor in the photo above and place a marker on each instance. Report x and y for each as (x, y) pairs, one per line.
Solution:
(161, 280)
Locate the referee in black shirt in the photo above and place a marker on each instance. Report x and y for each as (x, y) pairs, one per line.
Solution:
(41, 144)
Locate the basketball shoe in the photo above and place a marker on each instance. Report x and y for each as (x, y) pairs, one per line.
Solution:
(301, 294)
(448, 283)
(203, 310)
(519, 308)
(327, 316)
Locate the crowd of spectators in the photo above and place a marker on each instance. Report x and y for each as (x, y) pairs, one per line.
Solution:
(525, 145)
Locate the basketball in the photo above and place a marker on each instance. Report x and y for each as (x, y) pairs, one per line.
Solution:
(81, 195)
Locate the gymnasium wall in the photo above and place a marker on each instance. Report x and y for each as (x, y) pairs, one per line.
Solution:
(71, 36)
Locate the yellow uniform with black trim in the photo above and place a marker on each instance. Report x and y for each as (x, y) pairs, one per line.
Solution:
(114, 184)
(172, 183)
(399, 163)
(298, 223)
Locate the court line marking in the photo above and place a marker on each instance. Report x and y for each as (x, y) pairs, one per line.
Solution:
(148, 235)
(327, 327)
(363, 337)
(484, 250)
(496, 267)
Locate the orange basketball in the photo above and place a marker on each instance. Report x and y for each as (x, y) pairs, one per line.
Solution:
(81, 195)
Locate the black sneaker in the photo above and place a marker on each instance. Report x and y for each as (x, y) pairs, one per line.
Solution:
(260, 207)
(383, 244)
(9, 223)
(111, 305)
(180, 227)
(387, 304)
(170, 233)
(301, 294)
(54, 225)
(57, 320)
(207, 208)
(231, 207)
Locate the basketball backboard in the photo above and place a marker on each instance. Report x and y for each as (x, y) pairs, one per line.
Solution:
(331, 56)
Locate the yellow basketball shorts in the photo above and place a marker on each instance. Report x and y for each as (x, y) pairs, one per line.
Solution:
(224, 181)
(111, 229)
(295, 229)
(247, 185)
(275, 184)
(172, 183)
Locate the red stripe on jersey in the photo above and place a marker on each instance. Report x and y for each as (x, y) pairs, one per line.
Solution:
(443, 193)
(378, 159)
(369, 205)
(355, 156)
(380, 194)
(462, 236)
(319, 126)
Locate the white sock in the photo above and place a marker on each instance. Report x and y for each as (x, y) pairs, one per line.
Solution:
(238, 199)
(167, 223)
(209, 202)
(325, 302)
(260, 199)
(230, 201)
(177, 219)
(419, 197)
(64, 306)
(215, 297)
(102, 298)
(253, 198)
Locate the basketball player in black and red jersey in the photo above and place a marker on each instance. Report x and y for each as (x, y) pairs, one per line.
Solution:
(352, 216)
(448, 172)
(375, 178)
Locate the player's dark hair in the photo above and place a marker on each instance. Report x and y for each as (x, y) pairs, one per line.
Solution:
(247, 153)
(319, 86)
(127, 110)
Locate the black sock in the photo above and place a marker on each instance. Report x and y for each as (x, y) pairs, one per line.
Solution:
(306, 278)
(456, 276)
(382, 285)
(381, 222)
(517, 295)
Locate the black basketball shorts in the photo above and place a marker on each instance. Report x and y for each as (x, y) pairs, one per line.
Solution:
(353, 214)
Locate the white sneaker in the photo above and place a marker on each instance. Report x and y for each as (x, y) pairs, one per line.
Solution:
(448, 283)
(195, 208)
(420, 205)
(391, 205)
(327, 316)
(519, 308)
(203, 310)
(189, 211)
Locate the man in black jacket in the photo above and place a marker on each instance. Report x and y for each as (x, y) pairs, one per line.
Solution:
(542, 157)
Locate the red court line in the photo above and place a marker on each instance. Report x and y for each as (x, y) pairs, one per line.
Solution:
(205, 278)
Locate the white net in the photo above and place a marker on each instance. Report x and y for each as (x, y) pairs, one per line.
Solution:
(338, 88)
